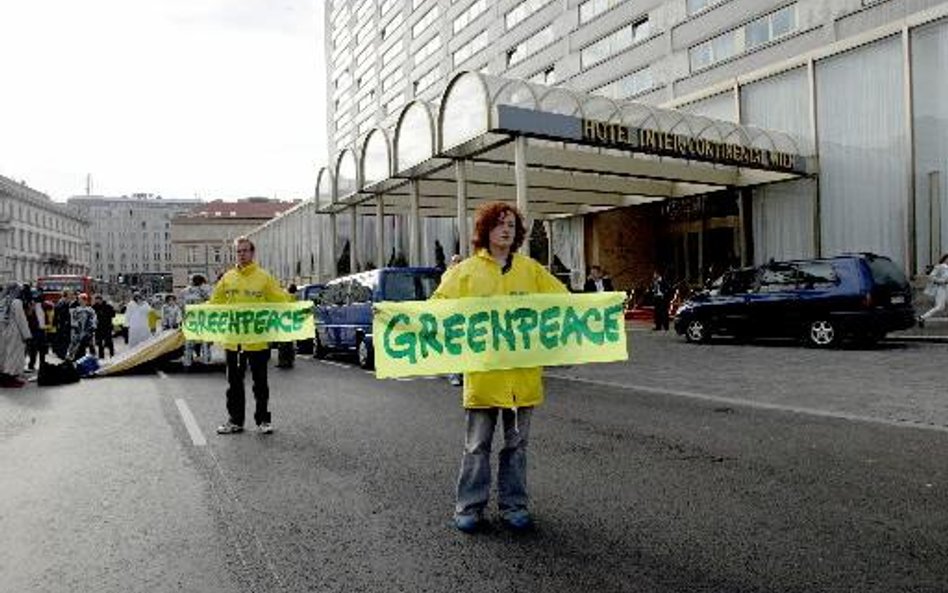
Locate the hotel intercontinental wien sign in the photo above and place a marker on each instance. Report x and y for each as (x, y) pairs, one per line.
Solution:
(606, 134)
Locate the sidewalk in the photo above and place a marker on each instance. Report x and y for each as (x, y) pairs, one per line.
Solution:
(935, 330)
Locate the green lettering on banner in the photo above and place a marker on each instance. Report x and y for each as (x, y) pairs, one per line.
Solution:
(428, 336)
(273, 321)
(572, 324)
(260, 321)
(233, 324)
(246, 322)
(298, 316)
(506, 331)
(594, 336)
(286, 321)
(550, 327)
(527, 319)
(406, 341)
(212, 321)
(453, 331)
(610, 323)
(476, 331)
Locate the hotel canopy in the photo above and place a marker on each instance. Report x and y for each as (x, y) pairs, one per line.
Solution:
(553, 151)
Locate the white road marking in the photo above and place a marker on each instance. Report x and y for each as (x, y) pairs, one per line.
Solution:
(752, 404)
(197, 437)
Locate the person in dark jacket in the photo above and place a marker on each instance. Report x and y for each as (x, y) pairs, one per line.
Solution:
(661, 297)
(104, 314)
(62, 321)
(597, 281)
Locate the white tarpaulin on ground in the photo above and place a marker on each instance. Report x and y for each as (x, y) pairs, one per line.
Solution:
(158, 345)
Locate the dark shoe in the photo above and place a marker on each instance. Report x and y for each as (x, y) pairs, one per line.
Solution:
(518, 521)
(467, 523)
(921, 322)
(229, 428)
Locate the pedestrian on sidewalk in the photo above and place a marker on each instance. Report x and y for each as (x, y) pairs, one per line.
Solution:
(170, 313)
(62, 321)
(661, 297)
(247, 283)
(938, 288)
(104, 314)
(36, 347)
(83, 329)
(286, 351)
(510, 395)
(14, 334)
(195, 294)
(136, 320)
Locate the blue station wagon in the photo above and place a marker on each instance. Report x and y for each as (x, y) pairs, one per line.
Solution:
(821, 301)
(344, 307)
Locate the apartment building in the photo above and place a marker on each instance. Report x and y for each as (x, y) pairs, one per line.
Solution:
(859, 85)
(38, 236)
(130, 237)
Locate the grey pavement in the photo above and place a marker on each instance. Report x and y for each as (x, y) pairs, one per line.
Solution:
(722, 468)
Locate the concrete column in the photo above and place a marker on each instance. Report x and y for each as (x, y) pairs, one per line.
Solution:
(333, 238)
(353, 240)
(460, 174)
(520, 177)
(379, 231)
(414, 224)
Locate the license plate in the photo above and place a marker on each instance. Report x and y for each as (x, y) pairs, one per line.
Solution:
(898, 299)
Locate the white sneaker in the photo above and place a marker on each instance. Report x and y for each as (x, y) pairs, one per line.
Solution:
(265, 428)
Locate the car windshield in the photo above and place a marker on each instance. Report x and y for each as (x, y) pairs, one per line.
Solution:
(886, 273)
(408, 286)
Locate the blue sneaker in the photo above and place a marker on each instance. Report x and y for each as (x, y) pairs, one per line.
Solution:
(518, 521)
(467, 523)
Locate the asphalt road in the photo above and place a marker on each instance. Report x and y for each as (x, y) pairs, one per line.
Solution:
(760, 467)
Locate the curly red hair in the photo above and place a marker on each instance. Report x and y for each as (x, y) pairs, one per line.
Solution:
(489, 216)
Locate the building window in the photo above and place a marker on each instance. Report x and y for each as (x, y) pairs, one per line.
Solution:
(392, 79)
(467, 17)
(629, 85)
(425, 22)
(367, 101)
(743, 39)
(521, 11)
(590, 9)
(388, 5)
(699, 5)
(430, 47)
(546, 76)
(426, 80)
(614, 42)
(530, 46)
(392, 26)
(391, 54)
(475, 45)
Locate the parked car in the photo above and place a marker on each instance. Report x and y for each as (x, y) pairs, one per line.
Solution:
(309, 292)
(344, 310)
(821, 301)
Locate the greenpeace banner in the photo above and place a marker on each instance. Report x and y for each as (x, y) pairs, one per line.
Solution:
(489, 333)
(244, 323)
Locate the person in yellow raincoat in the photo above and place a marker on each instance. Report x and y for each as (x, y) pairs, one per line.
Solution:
(496, 269)
(247, 283)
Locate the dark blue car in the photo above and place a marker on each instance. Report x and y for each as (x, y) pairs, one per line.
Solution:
(344, 307)
(820, 301)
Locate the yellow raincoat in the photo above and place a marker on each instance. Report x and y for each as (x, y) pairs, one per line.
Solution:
(249, 284)
(480, 275)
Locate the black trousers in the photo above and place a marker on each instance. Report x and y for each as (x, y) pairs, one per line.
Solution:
(237, 362)
(661, 314)
(104, 342)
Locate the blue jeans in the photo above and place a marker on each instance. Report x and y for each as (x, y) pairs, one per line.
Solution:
(475, 476)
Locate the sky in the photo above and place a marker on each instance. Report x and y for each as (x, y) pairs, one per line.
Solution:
(181, 98)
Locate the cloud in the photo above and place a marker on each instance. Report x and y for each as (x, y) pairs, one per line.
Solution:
(216, 98)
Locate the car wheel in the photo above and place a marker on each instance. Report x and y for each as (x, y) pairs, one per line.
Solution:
(821, 333)
(319, 351)
(365, 354)
(697, 331)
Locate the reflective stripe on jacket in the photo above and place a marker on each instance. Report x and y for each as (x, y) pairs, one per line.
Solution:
(249, 284)
(481, 275)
